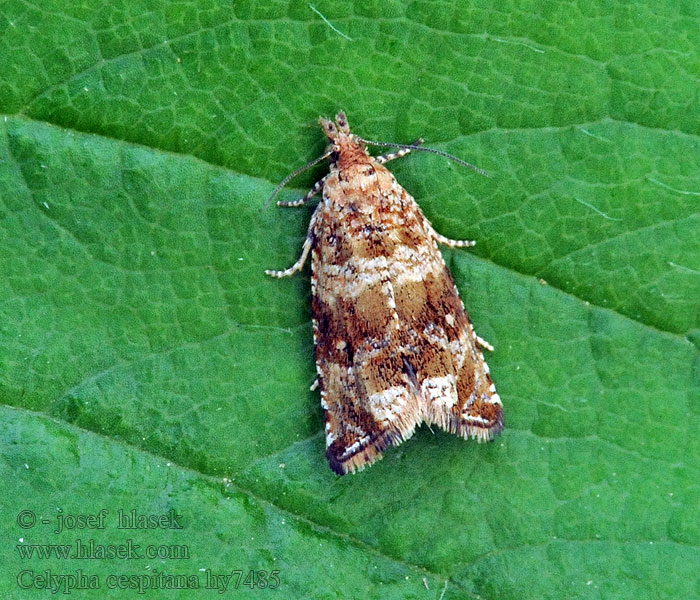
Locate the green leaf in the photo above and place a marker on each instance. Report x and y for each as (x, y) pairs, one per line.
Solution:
(148, 363)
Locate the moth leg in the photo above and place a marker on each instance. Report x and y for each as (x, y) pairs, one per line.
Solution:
(482, 343)
(318, 186)
(441, 239)
(385, 158)
(304, 253)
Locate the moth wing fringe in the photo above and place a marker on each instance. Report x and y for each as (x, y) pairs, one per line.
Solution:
(461, 427)
(369, 453)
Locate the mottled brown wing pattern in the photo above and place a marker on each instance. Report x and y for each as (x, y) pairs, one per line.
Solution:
(394, 344)
(362, 377)
(456, 387)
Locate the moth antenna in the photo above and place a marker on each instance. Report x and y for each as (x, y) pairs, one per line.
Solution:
(291, 176)
(416, 146)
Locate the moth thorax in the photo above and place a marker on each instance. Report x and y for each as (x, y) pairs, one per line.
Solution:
(349, 151)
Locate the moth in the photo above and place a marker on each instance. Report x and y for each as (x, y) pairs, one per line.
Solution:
(394, 345)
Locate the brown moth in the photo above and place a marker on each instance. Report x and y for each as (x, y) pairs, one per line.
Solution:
(394, 345)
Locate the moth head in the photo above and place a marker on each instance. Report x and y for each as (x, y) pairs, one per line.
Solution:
(346, 149)
(343, 143)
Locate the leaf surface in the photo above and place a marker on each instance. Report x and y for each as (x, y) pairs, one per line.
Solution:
(148, 363)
